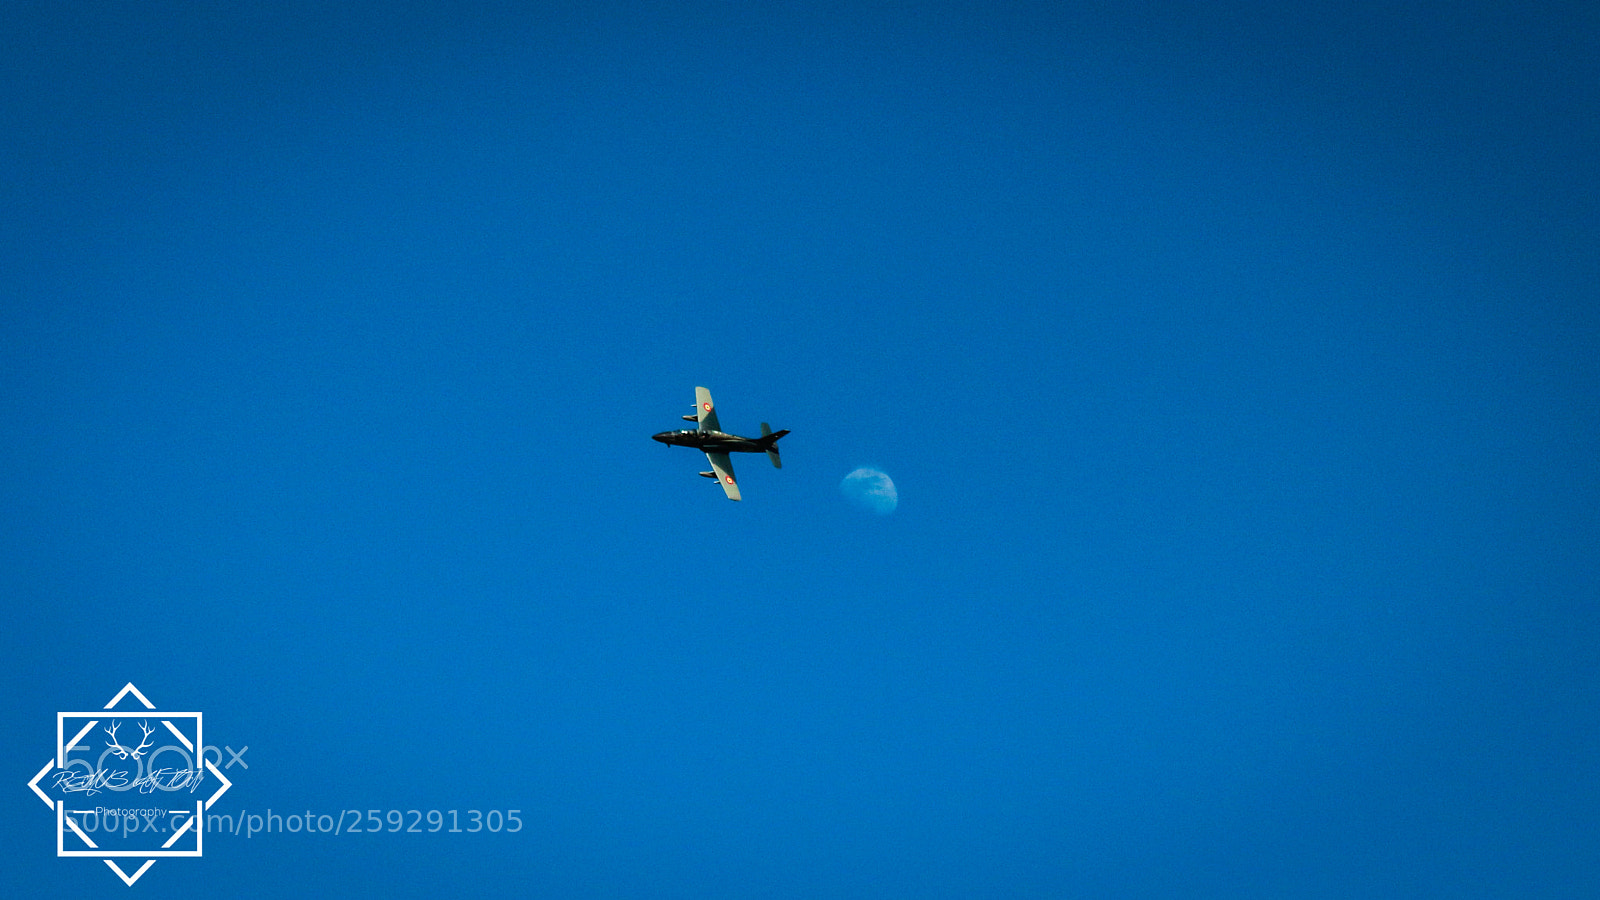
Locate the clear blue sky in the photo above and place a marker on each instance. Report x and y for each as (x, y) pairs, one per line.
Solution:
(1236, 363)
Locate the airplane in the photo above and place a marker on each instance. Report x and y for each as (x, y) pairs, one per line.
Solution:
(717, 444)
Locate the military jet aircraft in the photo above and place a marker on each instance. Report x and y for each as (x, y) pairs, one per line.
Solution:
(717, 444)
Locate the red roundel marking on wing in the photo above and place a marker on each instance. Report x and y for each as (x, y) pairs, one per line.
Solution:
(728, 478)
(706, 407)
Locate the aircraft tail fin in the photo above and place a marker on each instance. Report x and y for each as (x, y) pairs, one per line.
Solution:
(769, 443)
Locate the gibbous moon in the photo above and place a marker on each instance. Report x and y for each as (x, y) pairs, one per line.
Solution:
(870, 490)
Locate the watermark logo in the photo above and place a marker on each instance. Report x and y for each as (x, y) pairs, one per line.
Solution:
(130, 784)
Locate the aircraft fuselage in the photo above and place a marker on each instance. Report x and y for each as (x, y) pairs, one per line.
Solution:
(710, 441)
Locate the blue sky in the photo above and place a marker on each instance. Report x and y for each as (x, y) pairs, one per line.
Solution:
(1235, 364)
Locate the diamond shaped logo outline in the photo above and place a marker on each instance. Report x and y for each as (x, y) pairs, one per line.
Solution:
(64, 822)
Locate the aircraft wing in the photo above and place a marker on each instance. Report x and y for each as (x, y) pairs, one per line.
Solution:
(724, 469)
(707, 413)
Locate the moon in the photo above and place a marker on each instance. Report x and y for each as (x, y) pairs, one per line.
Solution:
(871, 490)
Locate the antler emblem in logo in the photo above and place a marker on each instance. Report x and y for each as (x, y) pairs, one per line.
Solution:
(129, 752)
